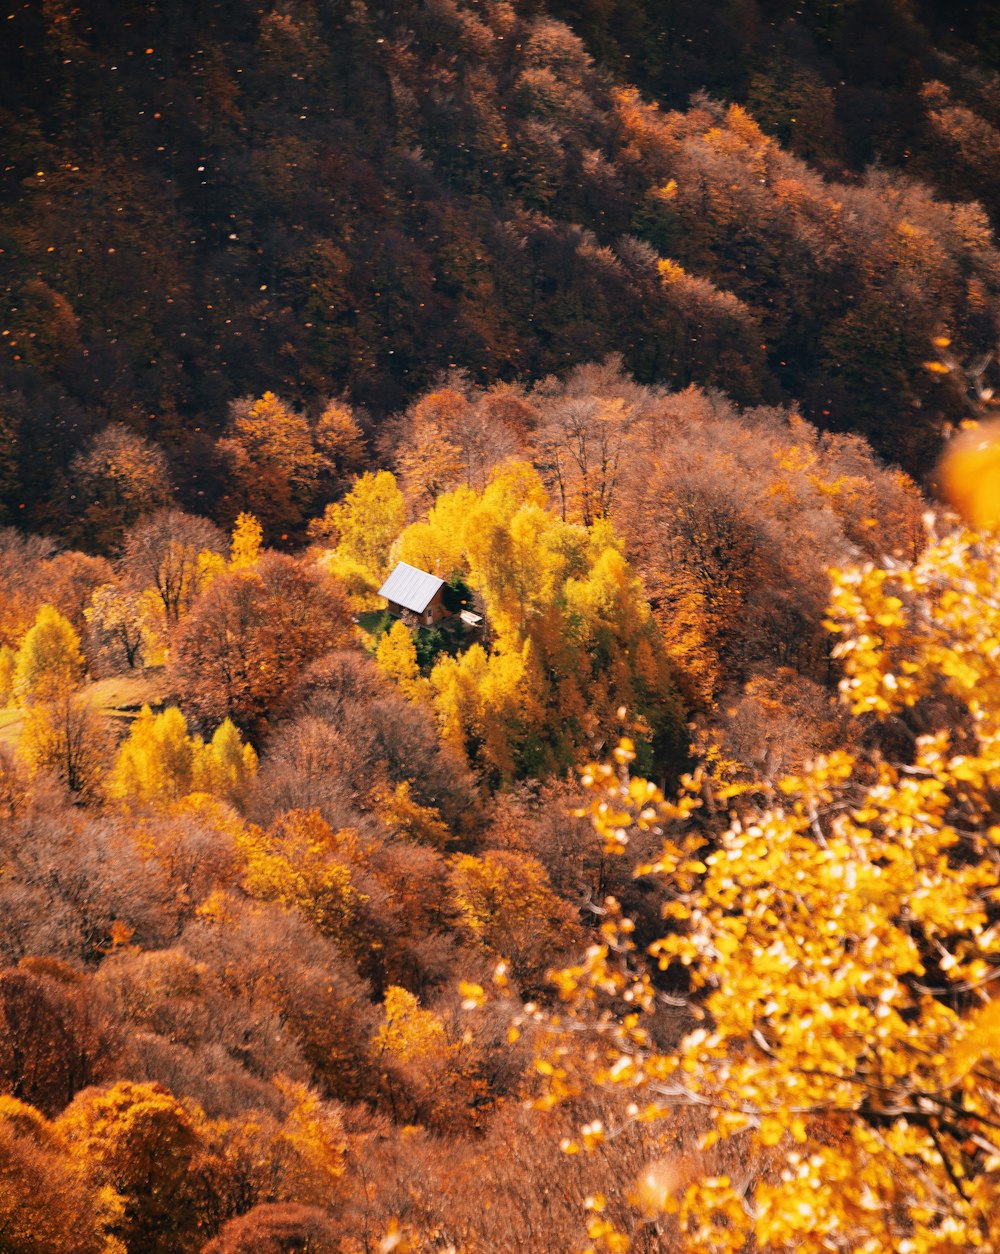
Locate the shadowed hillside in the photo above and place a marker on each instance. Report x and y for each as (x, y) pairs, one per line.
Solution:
(201, 201)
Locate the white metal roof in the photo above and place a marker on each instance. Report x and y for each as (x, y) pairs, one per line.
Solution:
(411, 588)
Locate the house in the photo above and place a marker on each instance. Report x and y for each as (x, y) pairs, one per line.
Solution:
(415, 596)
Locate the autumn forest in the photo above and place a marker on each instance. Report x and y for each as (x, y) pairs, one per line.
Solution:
(499, 627)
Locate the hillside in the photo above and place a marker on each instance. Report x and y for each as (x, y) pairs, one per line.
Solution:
(201, 202)
(499, 627)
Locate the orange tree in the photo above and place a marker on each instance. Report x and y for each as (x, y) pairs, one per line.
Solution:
(836, 940)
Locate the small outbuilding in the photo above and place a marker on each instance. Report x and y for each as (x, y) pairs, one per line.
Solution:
(414, 595)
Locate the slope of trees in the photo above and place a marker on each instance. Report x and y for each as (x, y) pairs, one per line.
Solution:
(291, 932)
(797, 237)
(308, 1001)
(324, 931)
(841, 85)
(839, 941)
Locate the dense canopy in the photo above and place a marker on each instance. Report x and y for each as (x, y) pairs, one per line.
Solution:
(499, 630)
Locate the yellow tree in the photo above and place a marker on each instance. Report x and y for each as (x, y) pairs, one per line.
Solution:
(437, 543)
(364, 525)
(409, 1032)
(160, 762)
(314, 1145)
(400, 812)
(505, 902)
(67, 738)
(225, 766)
(840, 941)
(487, 705)
(518, 551)
(246, 541)
(8, 664)
(427, 1074)
(304, 864)
(49, 660)
(396, 656)
(156, 760)
(139, 1141)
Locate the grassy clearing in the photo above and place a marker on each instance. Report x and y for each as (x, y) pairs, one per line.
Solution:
(123, 696)
(119, 698)
(375, 622)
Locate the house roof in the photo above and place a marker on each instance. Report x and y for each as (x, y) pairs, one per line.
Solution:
(411, 588)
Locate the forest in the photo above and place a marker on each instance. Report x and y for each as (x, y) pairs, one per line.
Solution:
(638, 889)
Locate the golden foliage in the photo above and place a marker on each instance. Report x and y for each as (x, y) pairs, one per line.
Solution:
(314, 1134)
(410, 1033)
(66, 738)
(840, 944)
(396, 657)
(505, 902)
(572, 636)
(46, 1201)
(362, 527)
(159, 762)
(156, 761)
(8, 665)
(400, 812)
(225, 766)
(49, 660)
(246, 541)
(139, 1142)
(301, 862)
